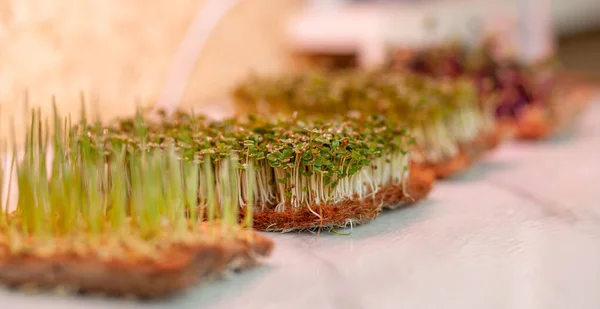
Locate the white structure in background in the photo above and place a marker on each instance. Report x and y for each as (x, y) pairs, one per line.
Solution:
(367, 29)
(525, 26)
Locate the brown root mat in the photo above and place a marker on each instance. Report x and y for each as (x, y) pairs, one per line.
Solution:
(570, 98)
(177, 268)
(352, 212)
(485, 142)
(534, 123)
(318, 216)
(419, 185)
(451, 167)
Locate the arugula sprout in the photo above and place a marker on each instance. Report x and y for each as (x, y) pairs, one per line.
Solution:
(292, 162)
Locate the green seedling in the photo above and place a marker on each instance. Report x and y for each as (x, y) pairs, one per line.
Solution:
(441, 115)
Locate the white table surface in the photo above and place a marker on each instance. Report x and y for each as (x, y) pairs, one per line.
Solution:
(521, 230)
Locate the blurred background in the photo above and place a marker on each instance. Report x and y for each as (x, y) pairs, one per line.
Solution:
(119, 53)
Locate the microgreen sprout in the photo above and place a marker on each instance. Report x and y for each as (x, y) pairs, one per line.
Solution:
(284, 164)
(441, 114)
(144, 179)
(101, 186)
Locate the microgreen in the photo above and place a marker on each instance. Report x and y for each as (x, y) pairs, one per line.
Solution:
(100, 185)
(258, 162)
(142, 179)
(440, 114)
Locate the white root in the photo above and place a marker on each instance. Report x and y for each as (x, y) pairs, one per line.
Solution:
(300, 190)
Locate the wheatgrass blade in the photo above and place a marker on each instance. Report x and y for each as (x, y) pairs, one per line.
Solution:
(250, 183)
(191, 171)
(211, 207)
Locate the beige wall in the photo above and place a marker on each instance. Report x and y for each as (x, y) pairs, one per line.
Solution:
(120, 50)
